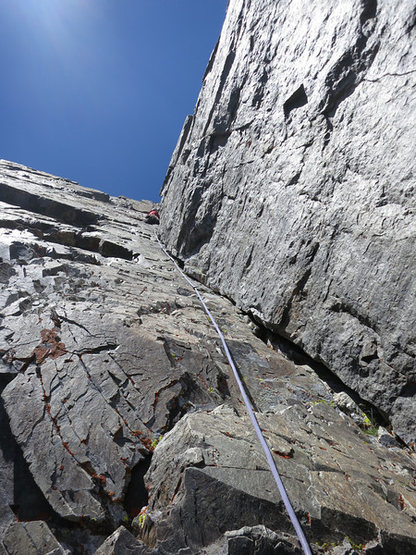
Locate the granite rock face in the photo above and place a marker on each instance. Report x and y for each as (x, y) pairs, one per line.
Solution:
(116, 399)
(292, 186)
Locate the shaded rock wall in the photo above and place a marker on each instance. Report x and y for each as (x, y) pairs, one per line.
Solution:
(292, 187)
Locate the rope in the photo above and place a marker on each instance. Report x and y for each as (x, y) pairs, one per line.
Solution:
(294, 519)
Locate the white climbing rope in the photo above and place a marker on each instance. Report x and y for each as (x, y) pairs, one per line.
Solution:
(292, 515)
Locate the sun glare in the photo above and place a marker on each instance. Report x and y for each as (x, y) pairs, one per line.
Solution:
(59, 21)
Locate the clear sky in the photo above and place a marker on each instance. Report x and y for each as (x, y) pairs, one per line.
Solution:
(97, 90)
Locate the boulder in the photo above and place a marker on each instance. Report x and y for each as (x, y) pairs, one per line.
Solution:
(209, 474)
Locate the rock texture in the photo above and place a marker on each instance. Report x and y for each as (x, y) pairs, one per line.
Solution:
(292, 187)
(122, 430)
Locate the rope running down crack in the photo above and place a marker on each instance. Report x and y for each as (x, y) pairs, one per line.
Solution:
(288, 505)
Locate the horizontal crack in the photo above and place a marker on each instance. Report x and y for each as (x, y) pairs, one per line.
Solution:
(94, 350)
(390, 75)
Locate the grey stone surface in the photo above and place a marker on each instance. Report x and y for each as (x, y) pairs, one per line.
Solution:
(122, 542)
(109, 365)
(251, 540)
(31, 538)
(292, 187)
(100, 347)
(209, 474)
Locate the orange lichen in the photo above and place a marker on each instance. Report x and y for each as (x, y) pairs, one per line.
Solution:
(203, 381)
(147, 443)
(51, 346)
(100, 477)
(66, 446)
(283, 455)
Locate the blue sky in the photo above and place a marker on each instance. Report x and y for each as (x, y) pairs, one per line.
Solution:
(97, 90)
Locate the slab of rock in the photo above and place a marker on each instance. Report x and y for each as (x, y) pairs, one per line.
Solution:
(97, 357)
(32, 538)
(292, 186)
(122, 542)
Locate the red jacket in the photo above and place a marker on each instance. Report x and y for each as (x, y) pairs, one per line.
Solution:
(154, 213)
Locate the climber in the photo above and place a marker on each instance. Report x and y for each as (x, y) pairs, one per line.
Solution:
(152, 217)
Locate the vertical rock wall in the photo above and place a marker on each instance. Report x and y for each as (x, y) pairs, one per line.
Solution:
(291, 189)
